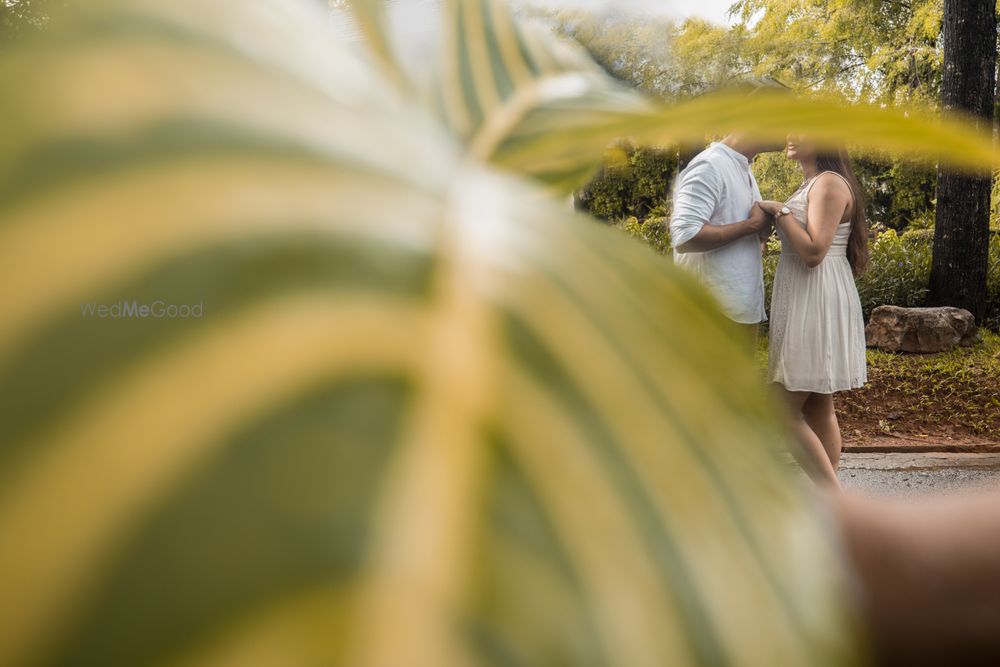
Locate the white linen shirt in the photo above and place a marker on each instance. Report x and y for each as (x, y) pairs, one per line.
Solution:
(718, 188)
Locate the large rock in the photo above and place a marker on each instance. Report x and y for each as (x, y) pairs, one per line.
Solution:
(922, 330)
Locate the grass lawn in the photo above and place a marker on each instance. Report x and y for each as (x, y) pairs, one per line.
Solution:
(948, 397)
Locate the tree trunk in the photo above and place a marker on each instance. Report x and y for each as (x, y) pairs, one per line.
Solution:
(961, 236)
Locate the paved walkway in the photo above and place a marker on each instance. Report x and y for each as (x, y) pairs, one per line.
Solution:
(909, 474)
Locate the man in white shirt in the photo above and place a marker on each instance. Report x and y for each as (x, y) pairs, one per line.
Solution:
(716, 227)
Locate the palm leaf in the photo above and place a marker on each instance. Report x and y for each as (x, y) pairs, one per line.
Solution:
(427, 418)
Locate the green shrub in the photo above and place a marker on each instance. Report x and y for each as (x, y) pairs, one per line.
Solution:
(992, 319)
(995, 202)
(635, 184)
(777, 176)
(654, 231)
(899, 270)
(898, 192)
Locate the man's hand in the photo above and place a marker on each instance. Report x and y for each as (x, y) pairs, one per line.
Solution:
(759, 218)
(711, 237)
(764, 234)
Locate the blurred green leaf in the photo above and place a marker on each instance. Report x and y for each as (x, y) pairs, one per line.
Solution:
(429, 417)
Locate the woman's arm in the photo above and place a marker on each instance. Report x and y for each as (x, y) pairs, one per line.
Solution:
(828, 200)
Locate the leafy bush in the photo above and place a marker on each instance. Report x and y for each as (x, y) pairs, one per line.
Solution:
(635, 183)
(898, 193)
(777, 176)
(654, 231)
(992, 319)
(995, 202)
(899, 270)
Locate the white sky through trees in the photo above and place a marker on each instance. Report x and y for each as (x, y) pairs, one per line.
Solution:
(419, 16)
(713, 10)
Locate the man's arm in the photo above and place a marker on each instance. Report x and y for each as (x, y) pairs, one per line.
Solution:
(696, 197)
(710, 237)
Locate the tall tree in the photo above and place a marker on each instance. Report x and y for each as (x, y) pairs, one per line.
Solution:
(961, 236)
(885, 51)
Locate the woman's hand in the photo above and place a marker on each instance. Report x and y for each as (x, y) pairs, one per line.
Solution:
(772, 207)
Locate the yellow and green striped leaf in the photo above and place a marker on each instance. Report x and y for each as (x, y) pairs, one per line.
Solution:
(427, 417)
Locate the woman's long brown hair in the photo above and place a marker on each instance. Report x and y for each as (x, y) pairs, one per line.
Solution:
(857, 243)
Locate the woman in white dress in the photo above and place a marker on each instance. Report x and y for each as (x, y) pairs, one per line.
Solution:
(817, 331)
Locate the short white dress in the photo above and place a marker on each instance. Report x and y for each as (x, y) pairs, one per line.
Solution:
(817, 331)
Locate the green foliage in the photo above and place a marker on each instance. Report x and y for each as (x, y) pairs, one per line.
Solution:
(898, 271)
(777, 176)
(709, 56)
(886, 52)
(995, 202)
(875, 51)
(898, 193)
(655, 231)
(993, 282)
(635, 182)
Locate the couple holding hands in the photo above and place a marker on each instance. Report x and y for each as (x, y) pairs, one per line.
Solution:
(816, 332)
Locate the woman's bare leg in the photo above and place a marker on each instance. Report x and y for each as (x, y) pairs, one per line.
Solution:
(822, 419)
(810, 454)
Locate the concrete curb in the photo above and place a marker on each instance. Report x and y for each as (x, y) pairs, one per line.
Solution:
(914, 448)
(914, 461)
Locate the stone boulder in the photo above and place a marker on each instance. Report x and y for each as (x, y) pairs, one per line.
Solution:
(923, 330)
